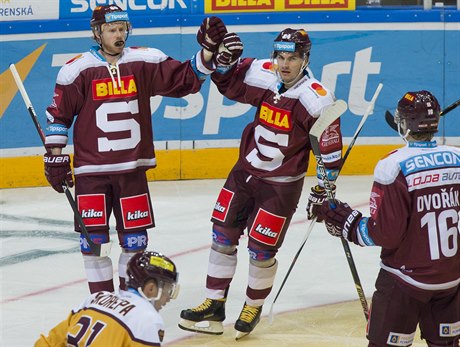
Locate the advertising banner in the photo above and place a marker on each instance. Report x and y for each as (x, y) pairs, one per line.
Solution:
(83, 8)
(351, 63)
(229, 6)
(13, 10)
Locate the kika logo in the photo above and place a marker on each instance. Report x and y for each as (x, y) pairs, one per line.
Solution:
(105, 89)
(137, 215)
(275, 117)
(91, 213)
(219, 207)
(266, 231)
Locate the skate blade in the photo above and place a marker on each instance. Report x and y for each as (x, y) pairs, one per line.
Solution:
(204, 327)
(240, 335)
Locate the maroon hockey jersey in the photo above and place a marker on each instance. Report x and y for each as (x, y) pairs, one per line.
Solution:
(111, 106)
(415, 215)
(276, 145)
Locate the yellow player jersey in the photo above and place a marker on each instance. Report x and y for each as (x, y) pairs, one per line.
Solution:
(106, 319)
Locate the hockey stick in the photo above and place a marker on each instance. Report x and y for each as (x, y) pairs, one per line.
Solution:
(101, 250)
(391, 121)
(330, 115)
(314, 139)
(307, 234)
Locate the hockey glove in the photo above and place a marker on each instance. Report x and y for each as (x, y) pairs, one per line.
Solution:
(230, 50)
(315, 200)
(340, 221)
(211, 33)
(58, 171)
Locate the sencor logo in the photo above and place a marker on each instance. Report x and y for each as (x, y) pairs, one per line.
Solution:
(79, 6)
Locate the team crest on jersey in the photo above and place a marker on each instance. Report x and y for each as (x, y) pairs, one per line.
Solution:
(223, 203)
(105, 89)
(136, 211)
(274, 117)
(267, 227)
(318, 89)
(161, 335)
(92, 209)
(57, 97)
(330, 135)
(375, 201)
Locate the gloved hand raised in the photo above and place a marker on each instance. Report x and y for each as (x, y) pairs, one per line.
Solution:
(230, 50)
(211, 33)
(340, 221)
(58, 171)
(315, 200)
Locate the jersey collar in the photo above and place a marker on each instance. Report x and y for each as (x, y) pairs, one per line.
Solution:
(422, 144)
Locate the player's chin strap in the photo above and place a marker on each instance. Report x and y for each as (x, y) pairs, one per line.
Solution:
(405, 136)
(173, 293)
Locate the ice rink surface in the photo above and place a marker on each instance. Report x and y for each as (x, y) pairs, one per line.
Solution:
(42, 275)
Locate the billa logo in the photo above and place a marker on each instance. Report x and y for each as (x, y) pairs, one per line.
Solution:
(316, 4)
(232, 5)
(275, 117)
(105, 89)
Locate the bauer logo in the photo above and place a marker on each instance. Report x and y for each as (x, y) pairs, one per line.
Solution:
(223, 203)
(267, 227)
(105, 88)
(136, 211)
(92, 209)
(276, 118)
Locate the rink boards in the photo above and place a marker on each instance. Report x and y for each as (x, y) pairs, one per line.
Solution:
(197, 136)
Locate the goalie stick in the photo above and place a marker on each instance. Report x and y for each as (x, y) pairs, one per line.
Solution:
(315, 134)
(330, 114)
(101, 250)
(391, 120)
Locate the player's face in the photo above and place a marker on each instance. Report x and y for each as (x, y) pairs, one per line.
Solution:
(113, 37)
(289, 66)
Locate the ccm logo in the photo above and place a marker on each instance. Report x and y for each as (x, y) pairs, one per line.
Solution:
(57, 159)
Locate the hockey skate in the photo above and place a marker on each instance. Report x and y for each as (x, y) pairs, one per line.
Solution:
(247, 321)
(207, 318)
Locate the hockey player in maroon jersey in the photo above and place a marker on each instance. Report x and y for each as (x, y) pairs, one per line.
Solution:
(415, 218)
(128, 319)
(263, 189)
(109, 90)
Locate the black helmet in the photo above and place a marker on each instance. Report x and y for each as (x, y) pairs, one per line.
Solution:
(418, 112)
(150, 265)
(293, 40)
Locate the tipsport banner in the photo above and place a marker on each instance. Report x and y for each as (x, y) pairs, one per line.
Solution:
(231, 6)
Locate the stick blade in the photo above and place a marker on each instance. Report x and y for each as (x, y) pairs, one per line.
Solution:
(329, 115)
(391, 121)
